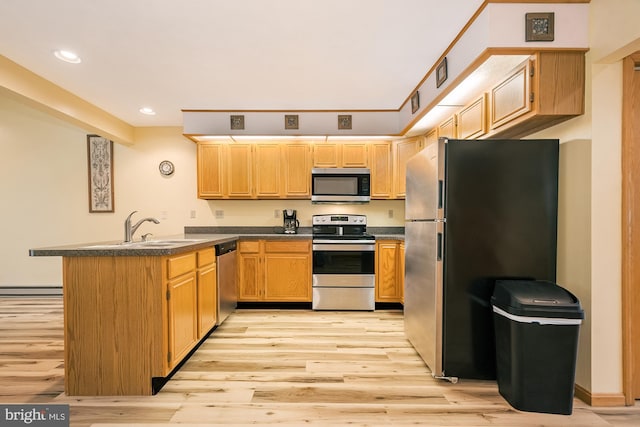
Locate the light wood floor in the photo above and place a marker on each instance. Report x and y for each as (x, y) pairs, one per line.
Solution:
(274, 367)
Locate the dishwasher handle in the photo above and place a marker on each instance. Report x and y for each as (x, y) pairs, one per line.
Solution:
(225, 248)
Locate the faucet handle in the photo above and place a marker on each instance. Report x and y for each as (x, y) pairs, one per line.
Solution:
(145, 237)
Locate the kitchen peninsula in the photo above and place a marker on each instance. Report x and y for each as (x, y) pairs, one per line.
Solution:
(134, 312)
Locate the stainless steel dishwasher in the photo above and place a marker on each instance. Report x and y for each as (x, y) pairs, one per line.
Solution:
(227, 290)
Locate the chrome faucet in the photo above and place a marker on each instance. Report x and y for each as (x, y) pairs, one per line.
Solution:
(130, 229)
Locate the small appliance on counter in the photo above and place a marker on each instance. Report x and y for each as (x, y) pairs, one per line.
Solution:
(291, 224)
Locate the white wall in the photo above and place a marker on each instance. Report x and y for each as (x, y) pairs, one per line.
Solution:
(45, 196)
(589, 264)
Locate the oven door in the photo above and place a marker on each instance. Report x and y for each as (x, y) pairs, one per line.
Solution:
(345, 257)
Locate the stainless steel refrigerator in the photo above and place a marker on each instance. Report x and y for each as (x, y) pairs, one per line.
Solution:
(476, 211)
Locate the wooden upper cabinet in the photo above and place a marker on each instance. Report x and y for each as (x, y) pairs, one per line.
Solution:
(448, 128)
(210, 160)
(545, 90)
(510, 97)
(267, 170)
(239, 170)
(297, 170)
(340, 155)
(403, 150)
(381, 170)
(354, 155)
(431, 137)
(326, 155)
(472, 119)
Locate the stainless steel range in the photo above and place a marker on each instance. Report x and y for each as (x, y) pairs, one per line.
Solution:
(343, 263)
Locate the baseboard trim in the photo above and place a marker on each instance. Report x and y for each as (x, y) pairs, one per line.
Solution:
(599, 399)
(30, 291)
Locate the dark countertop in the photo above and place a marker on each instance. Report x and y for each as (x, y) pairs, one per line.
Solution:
(194, 238)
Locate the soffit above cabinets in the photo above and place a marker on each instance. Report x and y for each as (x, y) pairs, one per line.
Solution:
(483, 52)
(264, 59)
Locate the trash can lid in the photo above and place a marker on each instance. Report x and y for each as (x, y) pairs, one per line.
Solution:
(536, 298)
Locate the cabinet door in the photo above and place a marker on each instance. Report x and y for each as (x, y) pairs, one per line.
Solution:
(509, 99)
(297, 170)
(183, 322)
(267, 170)
(387, 266)
(287, 271)
(238, 169)
(403, 150)
(354, 155)
(206, 299)
(210, 170)
(381, 170)
(472, 121)
(447, 129)
(431, 137)
(401, 272)
(250, 276)
(326, 155)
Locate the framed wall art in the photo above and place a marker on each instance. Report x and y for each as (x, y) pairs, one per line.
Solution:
(291, 121)
(344, 121)
(237, 122)
(539, 27)
(441, 72)
(100, 164)
(415, 102)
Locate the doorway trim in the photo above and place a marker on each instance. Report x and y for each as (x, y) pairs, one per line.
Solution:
(630, 227)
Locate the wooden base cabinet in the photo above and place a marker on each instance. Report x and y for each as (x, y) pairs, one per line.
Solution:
(206, 275)
(181, 307)
(130, 319)
(389, 271)
(274, 270)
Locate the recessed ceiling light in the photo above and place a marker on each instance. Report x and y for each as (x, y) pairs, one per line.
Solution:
(67, 56)
(148, 111)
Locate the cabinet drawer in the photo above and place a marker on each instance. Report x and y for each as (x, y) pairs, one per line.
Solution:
(249, 246)
(287, 246)
(206, 257)
(180, 265)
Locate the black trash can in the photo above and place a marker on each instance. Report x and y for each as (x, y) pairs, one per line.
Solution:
(536, 330)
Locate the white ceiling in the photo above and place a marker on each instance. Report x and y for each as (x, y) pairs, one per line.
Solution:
(232, 54)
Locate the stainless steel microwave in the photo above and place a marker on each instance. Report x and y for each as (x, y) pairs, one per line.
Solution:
(340, 185)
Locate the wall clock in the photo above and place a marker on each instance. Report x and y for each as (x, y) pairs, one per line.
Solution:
(166, 167)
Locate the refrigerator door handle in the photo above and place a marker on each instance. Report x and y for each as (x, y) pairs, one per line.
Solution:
(439, 250)
(440, 194)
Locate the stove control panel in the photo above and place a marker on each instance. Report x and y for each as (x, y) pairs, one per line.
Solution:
(349, 219)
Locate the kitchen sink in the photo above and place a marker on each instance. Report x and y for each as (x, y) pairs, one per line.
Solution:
(108, 246)
(145, 244)
(167, 242)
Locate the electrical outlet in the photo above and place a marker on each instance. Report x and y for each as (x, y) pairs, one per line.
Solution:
(219, 214)
(390, 213)
(276, 213)
(193, 214)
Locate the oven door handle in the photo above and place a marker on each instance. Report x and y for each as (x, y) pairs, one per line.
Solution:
(344, 247)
